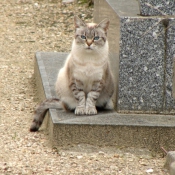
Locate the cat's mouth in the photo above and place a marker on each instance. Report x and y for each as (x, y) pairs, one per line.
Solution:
(89, 48)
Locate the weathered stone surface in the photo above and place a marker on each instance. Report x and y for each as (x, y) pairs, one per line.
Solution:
(49, 65)
(113, 9)
(144, 69)
(157, 7)
(141, 70)
(170, 69)
(106, 128)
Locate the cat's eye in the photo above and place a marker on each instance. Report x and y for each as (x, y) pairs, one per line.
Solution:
(96, 38)
(83, 37)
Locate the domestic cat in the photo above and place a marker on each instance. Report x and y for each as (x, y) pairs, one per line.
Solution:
(85, 81)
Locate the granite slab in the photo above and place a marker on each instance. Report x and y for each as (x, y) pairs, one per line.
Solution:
(143, 51)
(157, 7)
(170, 69)
(141, 70)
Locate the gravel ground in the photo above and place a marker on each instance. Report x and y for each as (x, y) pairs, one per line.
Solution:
(27, 26)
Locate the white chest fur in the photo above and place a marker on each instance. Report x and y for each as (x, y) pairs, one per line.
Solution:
(91, 73)
(87, 75)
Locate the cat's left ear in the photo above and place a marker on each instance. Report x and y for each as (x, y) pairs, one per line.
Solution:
(104, 24)
(78, 22)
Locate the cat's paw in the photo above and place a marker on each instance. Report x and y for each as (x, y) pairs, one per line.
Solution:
(91, 110)
(80, 110)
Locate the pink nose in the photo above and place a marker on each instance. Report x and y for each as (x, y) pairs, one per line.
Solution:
(89, 42)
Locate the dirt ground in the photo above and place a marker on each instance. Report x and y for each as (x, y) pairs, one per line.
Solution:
(28, 26)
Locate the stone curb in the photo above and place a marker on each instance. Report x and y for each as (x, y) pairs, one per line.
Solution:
(170, 162)
(106, 128)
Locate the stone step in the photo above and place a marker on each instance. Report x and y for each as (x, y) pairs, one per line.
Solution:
(106, 128)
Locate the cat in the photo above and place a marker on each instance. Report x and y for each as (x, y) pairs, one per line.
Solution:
(85, 81)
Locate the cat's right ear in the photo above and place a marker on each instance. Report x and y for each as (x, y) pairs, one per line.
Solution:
(104, 24)
(78, 22)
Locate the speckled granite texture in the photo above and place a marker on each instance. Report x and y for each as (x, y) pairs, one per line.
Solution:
(141, 72)
(146, 50)
(170, 55)
(157, 7)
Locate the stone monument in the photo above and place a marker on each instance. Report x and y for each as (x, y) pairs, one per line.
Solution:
(145, 45)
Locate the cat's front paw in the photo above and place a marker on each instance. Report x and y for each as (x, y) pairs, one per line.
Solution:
(91, 110)
(80, 110)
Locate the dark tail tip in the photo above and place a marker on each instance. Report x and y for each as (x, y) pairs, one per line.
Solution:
(33, 128)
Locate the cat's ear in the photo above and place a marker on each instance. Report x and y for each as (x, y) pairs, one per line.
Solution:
(104, 24)
(78, 22)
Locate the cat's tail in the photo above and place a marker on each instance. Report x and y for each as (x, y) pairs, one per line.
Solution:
(41, 111)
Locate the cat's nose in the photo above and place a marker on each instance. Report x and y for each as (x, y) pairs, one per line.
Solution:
(88, 42)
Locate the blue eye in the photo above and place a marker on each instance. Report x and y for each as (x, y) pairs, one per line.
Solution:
(96, 38)
(83, 37)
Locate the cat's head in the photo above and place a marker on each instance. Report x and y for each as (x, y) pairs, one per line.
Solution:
(91, 37)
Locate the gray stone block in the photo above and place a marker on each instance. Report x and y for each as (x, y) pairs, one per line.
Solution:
(48, 68)
(170, 69)
(106, 128)
(157, 7)
(141, 70)
(140, 43)
(113, 9)
(144, 69)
